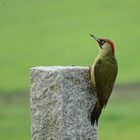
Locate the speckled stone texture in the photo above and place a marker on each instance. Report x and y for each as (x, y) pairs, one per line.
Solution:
(61, 103)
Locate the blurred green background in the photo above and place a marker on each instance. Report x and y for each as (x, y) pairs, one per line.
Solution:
(39, 32)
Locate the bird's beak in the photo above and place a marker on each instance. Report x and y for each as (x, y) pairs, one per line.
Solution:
(97, 39)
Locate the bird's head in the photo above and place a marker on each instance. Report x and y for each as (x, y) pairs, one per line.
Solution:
(105, 45)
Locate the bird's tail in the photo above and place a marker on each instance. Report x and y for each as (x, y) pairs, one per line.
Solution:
(96, 114)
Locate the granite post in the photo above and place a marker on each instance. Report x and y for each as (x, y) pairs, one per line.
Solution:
(61, 103)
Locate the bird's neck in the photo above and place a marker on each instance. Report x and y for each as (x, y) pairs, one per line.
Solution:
(107, 55)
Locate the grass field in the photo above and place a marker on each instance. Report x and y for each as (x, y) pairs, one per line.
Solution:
(57, 33)
(14, 118)
(120, 120)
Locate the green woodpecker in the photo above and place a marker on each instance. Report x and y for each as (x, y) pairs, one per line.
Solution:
(103, 75)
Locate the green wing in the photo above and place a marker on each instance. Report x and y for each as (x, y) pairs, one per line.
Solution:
(105, 73)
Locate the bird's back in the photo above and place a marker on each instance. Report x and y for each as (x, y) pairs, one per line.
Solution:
(104, 73)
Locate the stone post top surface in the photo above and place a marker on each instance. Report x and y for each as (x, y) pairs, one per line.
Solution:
(57, 68)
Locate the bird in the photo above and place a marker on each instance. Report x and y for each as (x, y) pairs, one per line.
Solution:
(103, 74)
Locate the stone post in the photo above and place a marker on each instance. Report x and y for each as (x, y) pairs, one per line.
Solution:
(61, 103)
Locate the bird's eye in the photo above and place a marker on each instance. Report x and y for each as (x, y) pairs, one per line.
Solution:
(102, 42)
